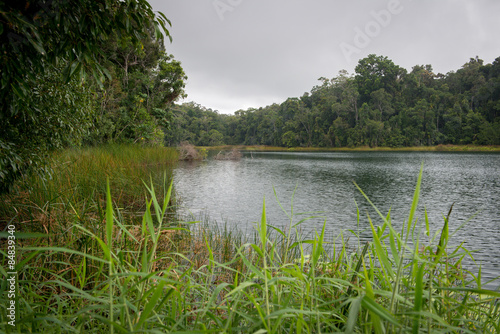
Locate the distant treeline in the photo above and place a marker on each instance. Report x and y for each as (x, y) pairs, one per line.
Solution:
(380, 105)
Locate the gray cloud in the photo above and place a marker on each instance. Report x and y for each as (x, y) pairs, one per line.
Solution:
(251, 53)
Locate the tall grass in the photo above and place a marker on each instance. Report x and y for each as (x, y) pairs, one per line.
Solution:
(160, 277)
(74, 189)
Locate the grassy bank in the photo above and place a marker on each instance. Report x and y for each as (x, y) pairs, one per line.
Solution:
(438, 148)
(74, 188)
(105, 268)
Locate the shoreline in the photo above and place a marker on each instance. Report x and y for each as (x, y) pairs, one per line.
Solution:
(438, 148)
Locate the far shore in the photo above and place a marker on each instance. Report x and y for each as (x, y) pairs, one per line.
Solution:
(437, 148)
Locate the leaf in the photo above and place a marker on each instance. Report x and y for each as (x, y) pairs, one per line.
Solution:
(263, 226)
(418, 298)
(109, 217)
(38, 47)
(414, 203)
(486, 292)
(158, 292)
(380, 250)
(318, 246)
(278, 230)
(250, 266)
(379, 326)
(241, 286)
(379, 310)
(352, 318)
(26, 259)
(443, 240)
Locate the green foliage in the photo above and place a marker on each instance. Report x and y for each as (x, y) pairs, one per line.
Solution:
(134, 104)
(381, 105)
(289, 139)
(78, 181)
(197, 125)
(56, 114)
(50, 60)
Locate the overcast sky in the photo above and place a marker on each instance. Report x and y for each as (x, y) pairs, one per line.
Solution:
(239, 54)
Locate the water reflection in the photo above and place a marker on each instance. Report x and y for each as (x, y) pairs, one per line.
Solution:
(233, 191)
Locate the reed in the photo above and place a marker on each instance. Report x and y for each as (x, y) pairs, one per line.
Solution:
(154, 275)
(74, 186)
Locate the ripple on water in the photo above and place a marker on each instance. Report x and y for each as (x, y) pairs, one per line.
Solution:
(233, 191)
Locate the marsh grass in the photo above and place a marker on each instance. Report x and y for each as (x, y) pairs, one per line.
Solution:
(158, 276)
(75, 186)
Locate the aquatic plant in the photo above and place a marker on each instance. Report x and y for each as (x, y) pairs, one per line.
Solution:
(151, 275)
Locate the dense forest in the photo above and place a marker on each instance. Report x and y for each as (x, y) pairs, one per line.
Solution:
(382, 104)
(81, 73)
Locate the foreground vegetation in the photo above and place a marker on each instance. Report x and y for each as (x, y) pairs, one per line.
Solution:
(100, 266)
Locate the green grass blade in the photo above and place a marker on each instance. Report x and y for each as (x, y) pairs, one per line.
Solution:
(485, 292)
(418, 298)
(443, 240)
(166, 200)
(109, 217)
(263, 226)
(414, 203)
(157, 293)
(379, 310)
(381, 251)
(377, 323)
(352, 318)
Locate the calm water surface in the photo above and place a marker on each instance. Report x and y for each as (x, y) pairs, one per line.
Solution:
(232, 192)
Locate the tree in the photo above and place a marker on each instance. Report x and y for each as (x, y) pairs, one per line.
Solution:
(55, 37)
(289, 139)
(376, 72)
(145, 82)
(382, 102)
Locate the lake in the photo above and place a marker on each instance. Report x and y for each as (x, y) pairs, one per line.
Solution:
(232, 193)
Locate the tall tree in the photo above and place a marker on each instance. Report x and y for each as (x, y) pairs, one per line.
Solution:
(145, 82)
(376, 72)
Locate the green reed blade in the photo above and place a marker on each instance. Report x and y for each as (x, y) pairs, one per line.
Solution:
(418, 298)
(443, 240)
(109, 217)
(414, 203)
(157, 292)
(381, 251)
(318, 246)
(166, 200)
(256, 271)
(427, 229)
(263, 226)
(379, 310)
(394, 249)
(389, 225)
(377, 323)
(485, 292)
(241, 286)
(352, 318)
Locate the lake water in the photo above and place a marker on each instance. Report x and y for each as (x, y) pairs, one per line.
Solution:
(232, 192)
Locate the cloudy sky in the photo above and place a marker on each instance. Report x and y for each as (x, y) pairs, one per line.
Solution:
(240, 54)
